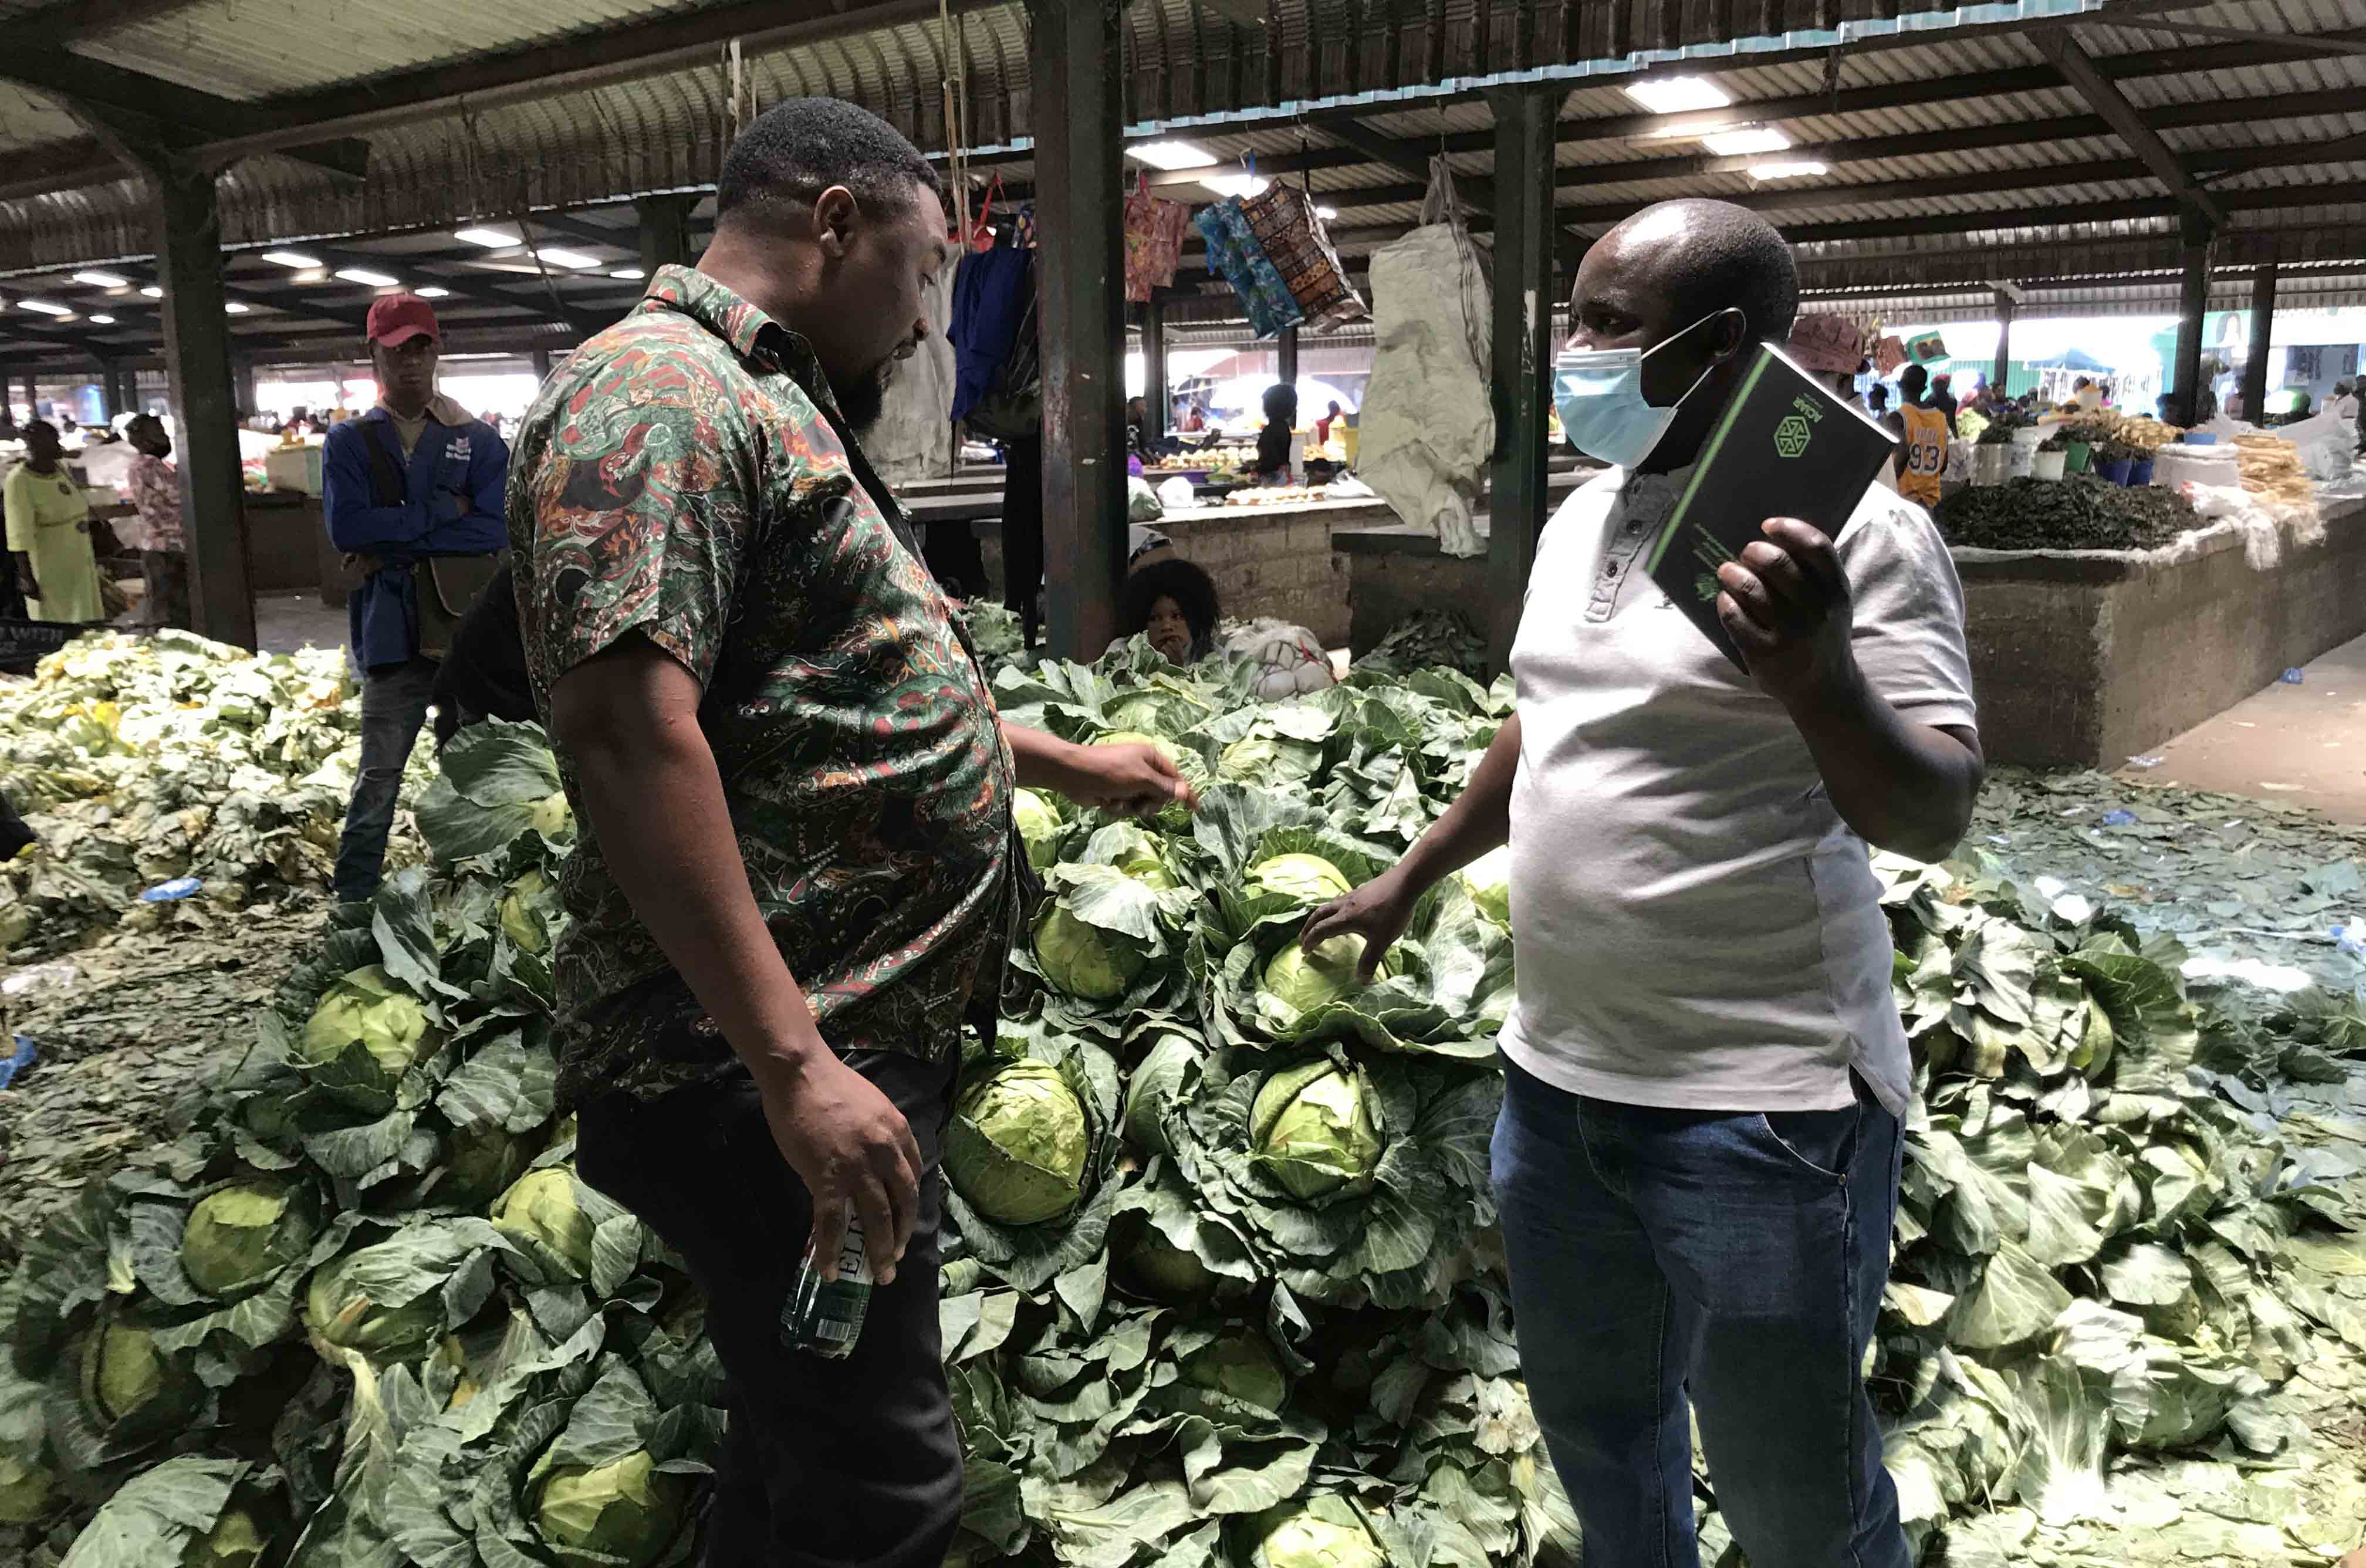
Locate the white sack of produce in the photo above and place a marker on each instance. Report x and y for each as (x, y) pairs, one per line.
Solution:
(2328, 443)
(914, 436)
(1427, 425)
(1289, 659)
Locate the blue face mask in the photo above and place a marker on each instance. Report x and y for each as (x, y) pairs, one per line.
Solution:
(1599, 394)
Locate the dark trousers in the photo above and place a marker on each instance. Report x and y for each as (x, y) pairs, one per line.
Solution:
(1023, 530)
(828, 1463)
(167, 573)
(1731, 1263)
(394, 706)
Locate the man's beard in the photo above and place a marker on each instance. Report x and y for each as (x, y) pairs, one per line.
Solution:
(863, 401)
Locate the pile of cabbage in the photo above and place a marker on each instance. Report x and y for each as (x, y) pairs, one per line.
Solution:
(1222, 1287)
(141, 759)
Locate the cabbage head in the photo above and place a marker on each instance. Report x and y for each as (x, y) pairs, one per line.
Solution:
(1188, 763)
(1136, 854)
(241, 1235)
(24, 1491)
(543, 1217)
(553, 818)
(1039, 824)
(368, 1025)
(1311, 1129)
(481, 1163)
(1489, 879)
(1309, 879)
(1268, 760)
(626, 1510)
(122, 1372)
(350, 1319)
(1309, 980)
(1082, 959)
(1017, 1144)
(235, 1541)
(527, 909)
(1240, 1365)
(1323, 1534)
(1134, 713)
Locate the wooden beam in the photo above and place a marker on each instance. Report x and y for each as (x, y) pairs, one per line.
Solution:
(2303, 42)
(2078, 69)
(1522, 368)
(2262, 336)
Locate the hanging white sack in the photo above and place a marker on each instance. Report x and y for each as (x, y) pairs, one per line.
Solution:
(1427, 426)
(913, 437)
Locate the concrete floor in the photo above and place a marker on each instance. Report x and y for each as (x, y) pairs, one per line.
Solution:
(2304, 744)
(286, 622)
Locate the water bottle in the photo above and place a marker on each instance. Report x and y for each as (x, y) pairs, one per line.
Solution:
(825, 1316)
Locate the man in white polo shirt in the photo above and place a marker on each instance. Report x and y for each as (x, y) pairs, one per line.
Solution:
(1698, 1152)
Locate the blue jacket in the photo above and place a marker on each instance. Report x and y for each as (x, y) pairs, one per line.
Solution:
(452, 507)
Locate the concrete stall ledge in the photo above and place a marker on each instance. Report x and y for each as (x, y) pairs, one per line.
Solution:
(2080, 658)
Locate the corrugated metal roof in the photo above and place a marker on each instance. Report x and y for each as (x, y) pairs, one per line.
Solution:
(27, 119)
(249, 49)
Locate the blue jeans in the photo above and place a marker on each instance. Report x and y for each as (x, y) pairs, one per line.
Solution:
(1735, 1261)
(394, 706)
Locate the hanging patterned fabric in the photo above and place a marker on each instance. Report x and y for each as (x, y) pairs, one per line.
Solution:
(1153, 241)
(1282, 216)
(1235, 256)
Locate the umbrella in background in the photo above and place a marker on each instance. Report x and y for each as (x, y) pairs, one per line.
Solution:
(1247, 393)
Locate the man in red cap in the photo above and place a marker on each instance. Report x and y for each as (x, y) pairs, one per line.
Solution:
(412, 490)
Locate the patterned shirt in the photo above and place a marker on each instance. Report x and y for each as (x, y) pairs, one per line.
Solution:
(684, 476)
(156, 496)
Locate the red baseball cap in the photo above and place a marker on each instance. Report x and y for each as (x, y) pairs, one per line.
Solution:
(396, 318)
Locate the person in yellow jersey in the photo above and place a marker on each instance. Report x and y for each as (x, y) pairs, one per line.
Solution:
(49, 533)
(1922, 439)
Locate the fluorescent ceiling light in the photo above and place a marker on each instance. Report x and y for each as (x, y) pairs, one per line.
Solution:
(1679, 94)
(238, 307)
(1171, 155)
(1236, 184)
(46, 307)
(1742, 143)
(431, 292)
(102, 280)
(102, 321)
(366, 277)
(575, 259)
(1788, 169)
(627, 273)
(152, 292)
(315, 276)
(1326, 212)
(490, 238)
(296, 259)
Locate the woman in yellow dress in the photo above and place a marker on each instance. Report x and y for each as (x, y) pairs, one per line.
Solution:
(49, 531)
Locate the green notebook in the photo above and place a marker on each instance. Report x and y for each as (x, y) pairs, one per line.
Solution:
(1787, 447)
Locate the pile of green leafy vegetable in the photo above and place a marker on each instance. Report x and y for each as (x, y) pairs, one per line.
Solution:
(2079, 513)
(1426, 639)
(1221, 1286)
(141, 759)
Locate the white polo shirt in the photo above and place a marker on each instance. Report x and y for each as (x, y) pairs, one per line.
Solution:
(1696, 926)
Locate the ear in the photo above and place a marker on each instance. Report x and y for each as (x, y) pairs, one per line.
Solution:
(1731, 335)
(836, 213)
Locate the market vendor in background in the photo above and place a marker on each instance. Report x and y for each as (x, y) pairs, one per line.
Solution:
(49, 533)
(1277, 447)
(1172, 602)
(794, 884)
(412, 492)
(1922, 430)
(1942, 399)
(1704, 1072)
(156, 498)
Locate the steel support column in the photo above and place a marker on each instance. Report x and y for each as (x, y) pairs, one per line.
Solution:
(665, 230)
(242, 372)
(1153, 366)
(32, 397)
(542, 365)
(2192, 301)
(197, 364)
(1077, 84)
(1525, 230)
(2004, 342)
(2263, 321)
(1285, 354)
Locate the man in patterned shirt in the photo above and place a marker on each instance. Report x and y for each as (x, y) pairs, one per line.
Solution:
(797, 874)
(156, 496)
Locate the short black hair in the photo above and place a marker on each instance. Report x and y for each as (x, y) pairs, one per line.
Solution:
(801, 147)
(31, 425)
(1193, 591)
(1876, 397)
(1914, 381)
(1281, 400)
(1734, 257)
